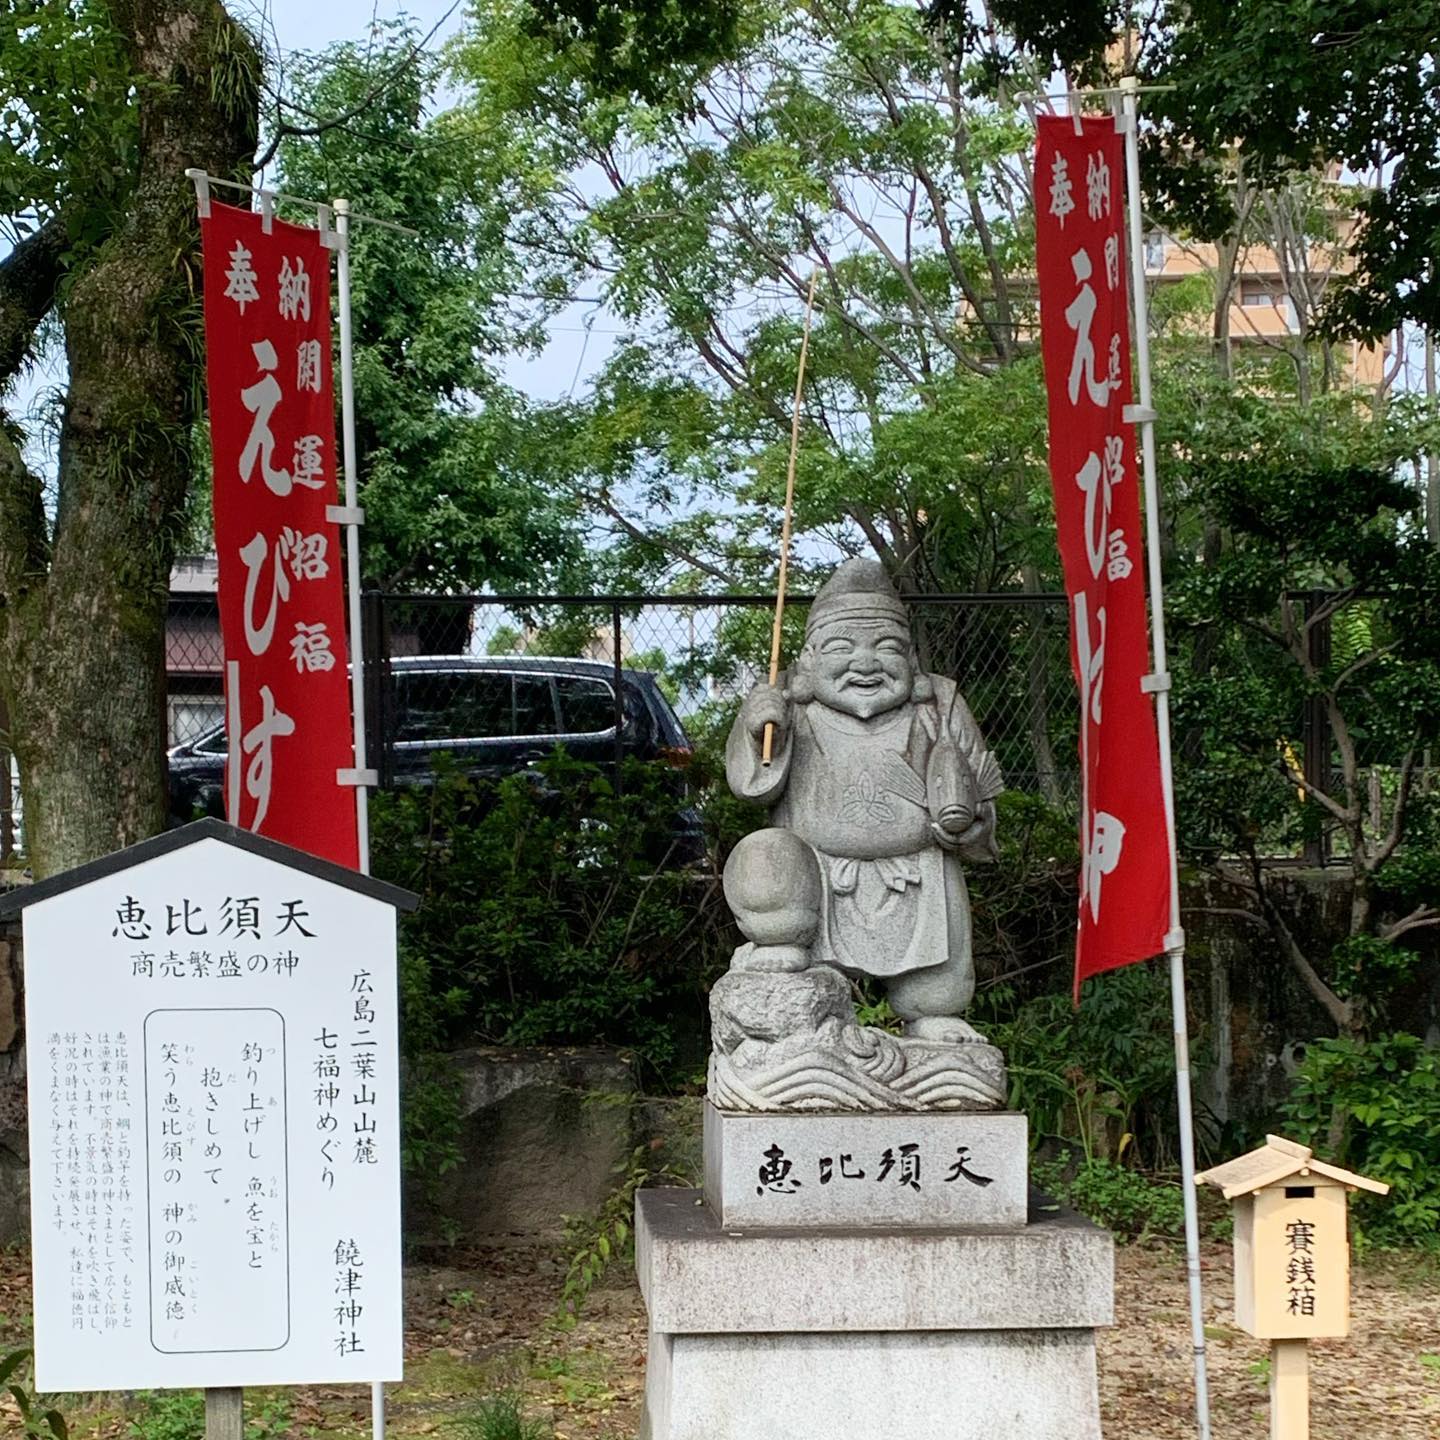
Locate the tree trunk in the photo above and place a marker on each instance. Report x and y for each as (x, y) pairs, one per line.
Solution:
(82, 647)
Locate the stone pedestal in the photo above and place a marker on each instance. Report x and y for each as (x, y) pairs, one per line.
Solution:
(840, 1302)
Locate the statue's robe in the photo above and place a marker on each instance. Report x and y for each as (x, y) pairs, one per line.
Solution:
(894, 898)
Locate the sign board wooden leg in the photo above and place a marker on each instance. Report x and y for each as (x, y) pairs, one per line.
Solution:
(1289, 1390)
(225, 1414)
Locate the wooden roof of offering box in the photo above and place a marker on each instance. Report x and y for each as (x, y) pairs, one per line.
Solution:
(1276, 1161)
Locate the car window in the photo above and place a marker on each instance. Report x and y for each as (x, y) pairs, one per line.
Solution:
(534, 705)
(586, 706)
(454, 705)
(213, 744)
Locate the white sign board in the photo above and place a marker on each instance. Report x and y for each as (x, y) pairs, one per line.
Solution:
(214, 1125)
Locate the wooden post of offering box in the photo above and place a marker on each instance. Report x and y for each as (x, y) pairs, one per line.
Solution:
(1292, 1262)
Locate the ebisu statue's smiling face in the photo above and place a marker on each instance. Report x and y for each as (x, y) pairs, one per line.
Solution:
(863, 667)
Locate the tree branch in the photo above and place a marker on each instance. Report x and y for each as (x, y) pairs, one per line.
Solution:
(1337, 1009)
(1420, 918)
(1387, 846)
(24, 532)
(1355, 666)
(284, 130)
(659, 542)
(29, 275)
(1326, 802)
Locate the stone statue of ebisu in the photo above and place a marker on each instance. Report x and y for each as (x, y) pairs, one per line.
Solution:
(880, 789)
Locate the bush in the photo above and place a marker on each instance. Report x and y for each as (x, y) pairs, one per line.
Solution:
(180, 1415)
(1102, 1076)
(1114, 1196)
(37, 1420)
(1382, 1098)
(548, 917)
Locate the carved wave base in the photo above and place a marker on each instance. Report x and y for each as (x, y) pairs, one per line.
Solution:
(860, 1069)
(789, 1041)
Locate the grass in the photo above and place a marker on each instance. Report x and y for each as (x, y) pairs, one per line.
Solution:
(500, 1417)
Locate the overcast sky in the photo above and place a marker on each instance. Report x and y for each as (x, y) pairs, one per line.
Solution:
(306, 25)
(575, 350)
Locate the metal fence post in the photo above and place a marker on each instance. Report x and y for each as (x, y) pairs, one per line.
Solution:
(375, 639)
(616, 640)
(1317, 724)
(7, 797)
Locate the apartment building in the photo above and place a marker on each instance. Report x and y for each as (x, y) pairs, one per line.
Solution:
(1263, 312)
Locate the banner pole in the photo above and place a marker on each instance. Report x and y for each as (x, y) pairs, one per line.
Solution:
(352, 523)
(352, 566)
(1159, 684)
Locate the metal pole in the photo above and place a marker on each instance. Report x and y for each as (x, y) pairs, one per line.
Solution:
(1160, 684)
(352, 525)
(1432, 458)
(617, 641)
(352, 575)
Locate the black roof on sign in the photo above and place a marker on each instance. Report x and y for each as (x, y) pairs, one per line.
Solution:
(16, 900)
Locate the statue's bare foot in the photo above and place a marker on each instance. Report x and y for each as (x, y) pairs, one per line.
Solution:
(946, 1029)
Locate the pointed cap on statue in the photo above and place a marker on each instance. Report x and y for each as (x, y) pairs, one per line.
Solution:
(858, 588)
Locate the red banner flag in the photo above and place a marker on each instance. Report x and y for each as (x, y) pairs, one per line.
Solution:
(282, 607)
(1085, 340)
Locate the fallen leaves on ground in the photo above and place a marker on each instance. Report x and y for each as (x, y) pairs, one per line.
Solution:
(484, 1319)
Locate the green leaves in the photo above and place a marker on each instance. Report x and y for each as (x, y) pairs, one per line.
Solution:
(549, 913)
(35, 1424)
(1386, 1091)
(833, 139)
(644, 48)
(1305, 86)
(457, 482)
(70, 118)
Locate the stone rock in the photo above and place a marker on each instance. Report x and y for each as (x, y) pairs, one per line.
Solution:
(751, 1005)
(542, 1133)
(772, 884)
(933, 1385)
(879, 785)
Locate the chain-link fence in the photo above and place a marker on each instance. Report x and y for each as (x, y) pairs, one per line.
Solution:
(194, 669)
(500, 679)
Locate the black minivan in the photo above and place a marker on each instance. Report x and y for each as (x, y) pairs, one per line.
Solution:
(496, 716)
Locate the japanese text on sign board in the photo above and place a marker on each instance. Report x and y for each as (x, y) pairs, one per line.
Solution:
(900, 1164)
(214, 1097)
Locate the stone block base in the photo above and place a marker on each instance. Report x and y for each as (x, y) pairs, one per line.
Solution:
(933, 1385)
(850, 1334)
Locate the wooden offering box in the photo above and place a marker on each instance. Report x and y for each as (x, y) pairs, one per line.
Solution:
(1292, 1251)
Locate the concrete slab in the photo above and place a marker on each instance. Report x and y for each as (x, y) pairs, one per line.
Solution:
(699, 1277)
